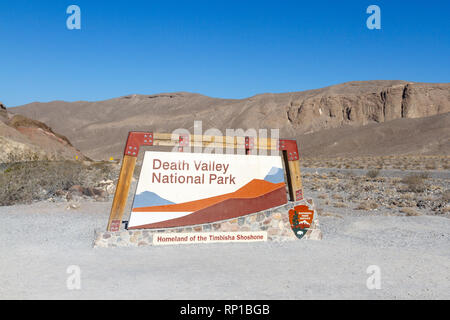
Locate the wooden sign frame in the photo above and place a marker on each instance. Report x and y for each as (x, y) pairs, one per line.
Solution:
(137, 139)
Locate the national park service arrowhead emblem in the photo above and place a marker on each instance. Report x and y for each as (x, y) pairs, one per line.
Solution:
(301, 218)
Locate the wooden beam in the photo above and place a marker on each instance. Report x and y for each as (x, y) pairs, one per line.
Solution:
(121, 194)
(292, 167)
(213, 144)
(168, 139)
(296, 180)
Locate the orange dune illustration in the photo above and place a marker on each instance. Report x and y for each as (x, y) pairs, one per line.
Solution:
(253, 189)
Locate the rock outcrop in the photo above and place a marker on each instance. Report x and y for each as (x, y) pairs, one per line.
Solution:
(410, 100)
(24, 139)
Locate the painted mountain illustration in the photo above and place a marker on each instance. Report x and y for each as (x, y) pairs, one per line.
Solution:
(148, 198)
(275, 175)
(257, 195)
(304, 224)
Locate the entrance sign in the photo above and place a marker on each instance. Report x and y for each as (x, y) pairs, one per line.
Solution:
(183, 189)
(179, 189)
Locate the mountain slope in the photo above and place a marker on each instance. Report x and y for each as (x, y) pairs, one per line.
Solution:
(425, 136)
(100, 128)
(22, 139)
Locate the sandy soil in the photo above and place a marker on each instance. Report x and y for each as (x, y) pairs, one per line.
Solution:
(38, 242)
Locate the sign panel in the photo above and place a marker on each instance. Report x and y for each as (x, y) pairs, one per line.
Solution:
(180, 189)
(208, 237)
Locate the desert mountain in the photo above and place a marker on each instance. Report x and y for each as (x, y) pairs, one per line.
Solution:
(22, 138)
(389, 116)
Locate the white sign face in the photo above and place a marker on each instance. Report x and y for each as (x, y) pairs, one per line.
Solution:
(178, 189)
(208, 237)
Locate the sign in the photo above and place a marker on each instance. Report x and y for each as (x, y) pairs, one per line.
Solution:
(180, 189)
(208, 237)
(301, 218)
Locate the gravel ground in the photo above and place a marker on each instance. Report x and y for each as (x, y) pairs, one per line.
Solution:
(391, 173)
(40, 241)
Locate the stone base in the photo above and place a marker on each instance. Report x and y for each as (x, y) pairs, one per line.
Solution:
(275, 221)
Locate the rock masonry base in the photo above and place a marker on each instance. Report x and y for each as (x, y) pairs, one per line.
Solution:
(275, 221)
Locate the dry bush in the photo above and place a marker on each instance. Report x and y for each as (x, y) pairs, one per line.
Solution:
(368, 187)
(355, 181)
(340, 205)
(24, 182)
(333, 215)
(415, 183)
(407, 196)
(367, 205)
(337, 197)
(446, 195)
(329, 185)
(410, 212)
(428, 198)
(25, 155)
(373, 173)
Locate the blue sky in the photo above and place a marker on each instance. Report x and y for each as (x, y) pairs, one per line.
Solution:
(229, 49)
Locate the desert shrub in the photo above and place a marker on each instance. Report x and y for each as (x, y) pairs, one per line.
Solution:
(330, 214)
(373, 173)
(24, 155)
(23, 182)
(415, 182)
(367, 205)
(446, 195)
(337, 197)
(340, 205)
(368, 187)
(410, 212)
